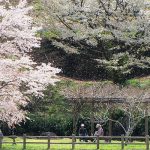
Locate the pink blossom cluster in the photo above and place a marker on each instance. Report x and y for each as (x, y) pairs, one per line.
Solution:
(20, 76)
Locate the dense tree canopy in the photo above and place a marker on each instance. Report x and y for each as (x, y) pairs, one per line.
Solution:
(112, 34)
(88, 39)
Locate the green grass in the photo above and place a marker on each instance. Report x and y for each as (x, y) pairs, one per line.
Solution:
(84, 146)
(143, 82)
(140, 82)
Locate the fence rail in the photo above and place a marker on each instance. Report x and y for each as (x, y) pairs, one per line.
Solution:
(95, 140)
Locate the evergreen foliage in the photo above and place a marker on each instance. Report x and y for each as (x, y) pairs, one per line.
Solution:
(98, 39)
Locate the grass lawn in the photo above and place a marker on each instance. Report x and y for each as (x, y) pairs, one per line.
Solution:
(140, 82)
(56, 146)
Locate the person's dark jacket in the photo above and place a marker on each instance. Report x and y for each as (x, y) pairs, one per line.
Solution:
(83, 132)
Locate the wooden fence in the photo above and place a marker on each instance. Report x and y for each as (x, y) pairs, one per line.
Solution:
(97, 140)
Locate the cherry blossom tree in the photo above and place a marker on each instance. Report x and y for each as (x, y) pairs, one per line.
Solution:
(20, 76)
(113, 33)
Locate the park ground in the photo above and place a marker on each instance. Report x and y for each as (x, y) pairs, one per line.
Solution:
(85, 146)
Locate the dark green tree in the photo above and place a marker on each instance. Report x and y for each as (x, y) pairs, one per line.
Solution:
(113, 35)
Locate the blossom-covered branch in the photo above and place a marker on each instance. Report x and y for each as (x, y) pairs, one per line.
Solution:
(20, 76)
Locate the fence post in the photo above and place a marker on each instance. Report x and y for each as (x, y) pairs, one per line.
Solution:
(73, 141)
(14, 139)
(48, 142)
(147, 142)
(122, 142)
(97, 142)
(24, 141)
(1, 140)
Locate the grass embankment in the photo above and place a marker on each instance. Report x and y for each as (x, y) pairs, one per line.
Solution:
(143, 82)
(140, 82)
(84, 146)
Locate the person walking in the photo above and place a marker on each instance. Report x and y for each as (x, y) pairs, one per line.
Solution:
(100, 131)
(83, 132)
